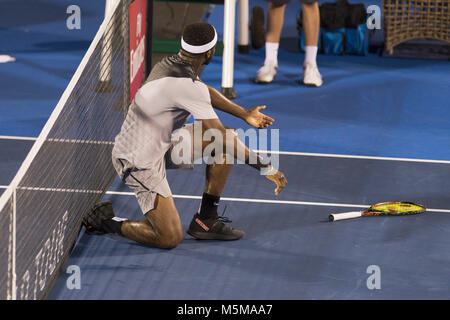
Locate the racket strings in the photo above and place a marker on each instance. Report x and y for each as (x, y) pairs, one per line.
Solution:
(398, 207)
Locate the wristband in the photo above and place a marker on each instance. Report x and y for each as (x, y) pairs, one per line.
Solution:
(268, 170)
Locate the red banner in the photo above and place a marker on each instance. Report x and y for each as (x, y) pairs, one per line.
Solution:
(138, 27)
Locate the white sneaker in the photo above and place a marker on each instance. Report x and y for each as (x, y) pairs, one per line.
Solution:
(266, 73)
(311, 75)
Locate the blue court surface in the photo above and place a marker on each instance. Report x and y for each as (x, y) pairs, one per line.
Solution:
(377, 130)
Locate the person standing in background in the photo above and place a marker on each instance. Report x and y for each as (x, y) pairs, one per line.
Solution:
(311, 26)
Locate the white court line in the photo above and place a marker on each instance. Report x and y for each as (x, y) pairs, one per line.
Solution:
(332, 155)
(304, 203)
(289, 153)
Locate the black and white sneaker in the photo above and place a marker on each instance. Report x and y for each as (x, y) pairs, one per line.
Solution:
(93, 220)
(213, 229)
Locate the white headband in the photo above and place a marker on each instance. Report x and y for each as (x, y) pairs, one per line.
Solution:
(199, 49)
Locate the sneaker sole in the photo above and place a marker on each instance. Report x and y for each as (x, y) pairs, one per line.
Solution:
(262, 82)
(311, 85)
(212, 236)
(255, 80)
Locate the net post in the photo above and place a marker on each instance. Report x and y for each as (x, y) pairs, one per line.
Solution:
(229, 19)
(243, 46)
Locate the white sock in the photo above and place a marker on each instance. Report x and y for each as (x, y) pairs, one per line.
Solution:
(272, 52)
(310, 55)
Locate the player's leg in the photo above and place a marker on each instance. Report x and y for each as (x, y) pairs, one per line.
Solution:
(275, 20)
(206, 223)
(311, 27)
(216, 177)
(161, 228)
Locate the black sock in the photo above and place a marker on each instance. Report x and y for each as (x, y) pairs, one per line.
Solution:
(208, 208)
(112, 226)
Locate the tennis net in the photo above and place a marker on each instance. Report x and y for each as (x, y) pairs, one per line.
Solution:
(69, 168)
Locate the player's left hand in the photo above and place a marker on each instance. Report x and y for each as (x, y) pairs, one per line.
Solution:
(279, 179)
(258, 119)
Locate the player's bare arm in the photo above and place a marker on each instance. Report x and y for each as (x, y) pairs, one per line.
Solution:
(252, 116)
(273, 175)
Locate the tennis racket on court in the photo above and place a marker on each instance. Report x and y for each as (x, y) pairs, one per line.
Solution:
(382, 209)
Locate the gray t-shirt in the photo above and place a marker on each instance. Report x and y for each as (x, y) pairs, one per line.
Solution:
(162, 105)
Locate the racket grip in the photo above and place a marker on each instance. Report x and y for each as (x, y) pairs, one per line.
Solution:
(346, 215)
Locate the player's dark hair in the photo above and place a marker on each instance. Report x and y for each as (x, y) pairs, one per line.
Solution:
(198, 34)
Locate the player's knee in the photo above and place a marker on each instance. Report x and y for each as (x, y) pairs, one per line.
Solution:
(171, 238)
(170, 242)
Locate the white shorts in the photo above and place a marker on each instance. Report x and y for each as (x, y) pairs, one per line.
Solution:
(148, 183)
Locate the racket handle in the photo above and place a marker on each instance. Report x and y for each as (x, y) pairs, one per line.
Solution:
(346, 215)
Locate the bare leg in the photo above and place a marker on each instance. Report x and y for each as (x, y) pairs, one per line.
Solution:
(216, 174)
(275, 20)
(206, 224)
(311, 26)
(216, 177)
(161, 229)
(311, 23)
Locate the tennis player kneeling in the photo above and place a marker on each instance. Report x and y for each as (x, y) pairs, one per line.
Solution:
(143, 148)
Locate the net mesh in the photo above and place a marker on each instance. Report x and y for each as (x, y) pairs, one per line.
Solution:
(5, 247)
(415, 19)
(69, 167)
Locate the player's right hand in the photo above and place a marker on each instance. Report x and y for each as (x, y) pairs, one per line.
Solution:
(279, 179)
(257, 119)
